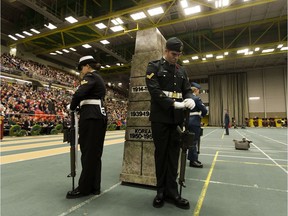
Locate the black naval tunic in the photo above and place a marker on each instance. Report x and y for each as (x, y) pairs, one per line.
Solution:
(164, 79)
(92, 129)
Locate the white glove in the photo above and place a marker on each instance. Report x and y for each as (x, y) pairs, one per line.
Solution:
(189, 103)
(179, 105)
(68, 107)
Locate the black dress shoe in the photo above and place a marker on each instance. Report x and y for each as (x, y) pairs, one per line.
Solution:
(195, 164)
(75, 194)
(96, 192)
(179, 202)
(198, 162)
(158, 201)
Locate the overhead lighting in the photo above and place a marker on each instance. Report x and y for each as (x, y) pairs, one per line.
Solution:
(226, 53)
(117, 28)
(27, 33)
(117, 21)
(249, 53)
(195, 57)
(184, 4)
(220, 57)
(280, 46)
(242, 51)
(257, 49)
(52, 53)
(138, 16)
(71, 19)
(192, 10)
(100, 25)
(35, 31)
(66, 51)
(185, 61)
(12, 37)
(50, 26)
(284, 48)
(221, 3)
(19, 35)
(59, 52)
(118, 64)
(108, 66)
(209, 55)
(203, 59)
(73, 49)
(155, 11)
(254, 98)
(86, 46)
(105, 42)
(267, 50)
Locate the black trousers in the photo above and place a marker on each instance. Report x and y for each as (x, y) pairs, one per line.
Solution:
(167, 149)
(91, 139)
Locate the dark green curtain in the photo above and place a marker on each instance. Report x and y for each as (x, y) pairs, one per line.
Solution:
(228, 91)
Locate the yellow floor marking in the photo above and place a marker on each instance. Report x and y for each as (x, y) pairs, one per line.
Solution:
(40, 139)
(44, 153)
(205, 187)
(223, 135)
(250, 163)
(29, 146)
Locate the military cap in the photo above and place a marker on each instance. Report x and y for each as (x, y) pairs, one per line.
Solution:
(174, 44)
(196, 85)
(85, 60)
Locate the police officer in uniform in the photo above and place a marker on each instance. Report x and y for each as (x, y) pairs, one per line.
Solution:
(168, 86)
(198, 112)
(92, 126)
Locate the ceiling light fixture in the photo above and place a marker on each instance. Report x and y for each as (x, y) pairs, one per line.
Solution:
(73, 49)
(100, 25)
(59, 52)
(86, 46)
(117, 21)
(27, 33)
(186, 61)
(184, 4)
(19, 35)
(105, 42)
(35, 31)
(12, 37)
(267, 50)
(117, 28)
(284, 48)
(192, 10)
(195, 57)
(66, 51)
(155, 11)
(71, 19)
(50, 26)
(138, 16)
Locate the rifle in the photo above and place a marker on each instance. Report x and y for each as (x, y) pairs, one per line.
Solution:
(71, 136)
(186, 142)
(198, 145)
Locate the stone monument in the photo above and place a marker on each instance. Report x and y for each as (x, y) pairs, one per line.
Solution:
(138, 159)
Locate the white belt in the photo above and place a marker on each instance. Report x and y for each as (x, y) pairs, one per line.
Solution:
(195, 113)
(90, 102)
(173, 94)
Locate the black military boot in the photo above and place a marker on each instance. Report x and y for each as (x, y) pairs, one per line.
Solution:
(158, 201)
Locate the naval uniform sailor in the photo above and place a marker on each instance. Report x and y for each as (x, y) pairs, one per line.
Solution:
(92, 127)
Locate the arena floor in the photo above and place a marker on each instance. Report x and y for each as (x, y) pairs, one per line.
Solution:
(232, 183)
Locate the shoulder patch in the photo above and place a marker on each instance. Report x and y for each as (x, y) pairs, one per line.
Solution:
(83, 82)
(150, 76)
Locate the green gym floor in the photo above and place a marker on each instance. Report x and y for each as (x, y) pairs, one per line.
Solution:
(232, 183)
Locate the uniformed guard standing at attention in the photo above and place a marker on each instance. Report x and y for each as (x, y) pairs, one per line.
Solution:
(198, 112)
(92, 126)
(168, 86)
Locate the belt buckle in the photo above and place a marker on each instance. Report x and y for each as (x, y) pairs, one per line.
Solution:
(174, 95)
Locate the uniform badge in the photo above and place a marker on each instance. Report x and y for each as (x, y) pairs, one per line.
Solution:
(150, 76)
(84, 82)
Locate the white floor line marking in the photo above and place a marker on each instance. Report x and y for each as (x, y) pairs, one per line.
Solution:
(286, 171)
(88, 200)
(208, 134)
(268, 138)
(253, 158)
(239, 185)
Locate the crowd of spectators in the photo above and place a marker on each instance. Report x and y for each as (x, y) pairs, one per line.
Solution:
(46, 106)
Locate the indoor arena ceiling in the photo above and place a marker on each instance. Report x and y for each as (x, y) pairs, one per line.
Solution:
(219, 36)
